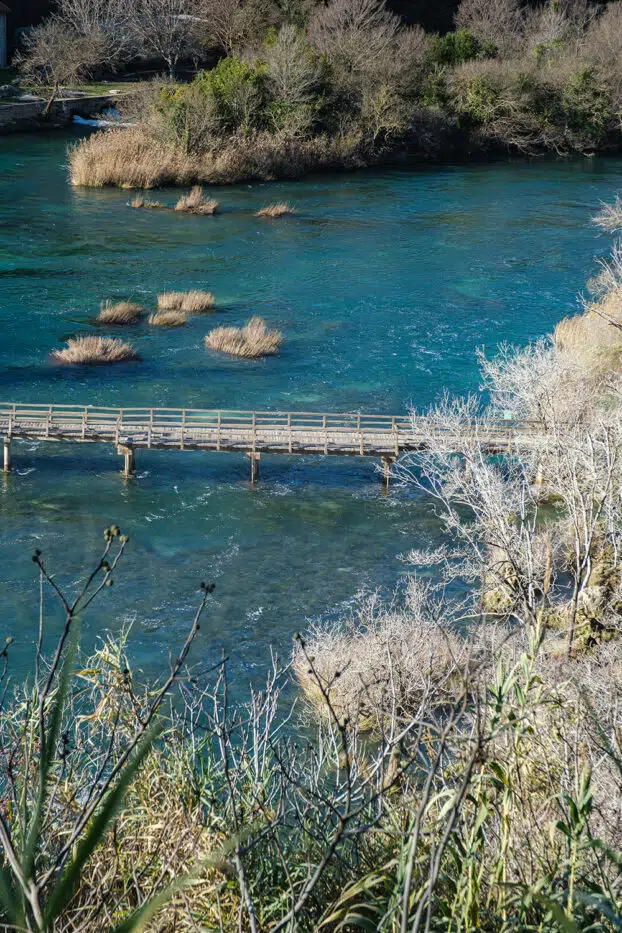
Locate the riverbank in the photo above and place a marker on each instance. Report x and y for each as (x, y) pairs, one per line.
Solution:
(26, 116)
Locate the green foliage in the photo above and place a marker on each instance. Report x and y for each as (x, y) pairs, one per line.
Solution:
(454, 48)
(588, 106)
(237, 90)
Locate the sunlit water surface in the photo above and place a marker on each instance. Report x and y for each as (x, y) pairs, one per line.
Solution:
(384, 284)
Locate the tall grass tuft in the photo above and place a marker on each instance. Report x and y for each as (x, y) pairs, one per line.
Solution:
(168, 318)
(195, 203)
(251, 341)
(170, 301)
(120, 312)
(142, 202)
(192, 302)
(281, 209)
(93, 351)
(197, 301)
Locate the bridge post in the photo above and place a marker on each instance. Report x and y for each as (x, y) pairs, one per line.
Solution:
(129, 467)
(254, 458)
(387, 463)
(8, 460)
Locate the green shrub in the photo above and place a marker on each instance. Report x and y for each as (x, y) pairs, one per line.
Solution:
(238, 92)
(454, 48)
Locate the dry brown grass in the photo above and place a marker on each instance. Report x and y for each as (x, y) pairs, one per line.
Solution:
(197, 301)
(195, 203)
(92, 351)
(594, 339)
(168, 318)
(251, 341)
(281, 209)
(120, 312)
(132, 158)
(170, 301)
(143, 202)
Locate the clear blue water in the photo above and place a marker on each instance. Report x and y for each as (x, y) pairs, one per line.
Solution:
(384, 283)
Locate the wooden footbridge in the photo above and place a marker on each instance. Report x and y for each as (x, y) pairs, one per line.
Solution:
(248, 432)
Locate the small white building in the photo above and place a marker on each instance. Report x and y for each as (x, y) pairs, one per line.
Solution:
(3, 34)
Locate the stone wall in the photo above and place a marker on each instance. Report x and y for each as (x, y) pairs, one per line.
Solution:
(18, 117)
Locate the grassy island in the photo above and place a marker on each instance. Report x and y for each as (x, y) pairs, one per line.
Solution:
(348, 84)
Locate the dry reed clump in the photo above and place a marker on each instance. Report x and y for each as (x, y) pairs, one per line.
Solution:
(168, 318)
(251, 341)
(120, 312)
(91, 351)
(380, 661)
(197, 301)
(192, 302)
(170, 301)
(195, 203)
(276, 210)
(143, 202)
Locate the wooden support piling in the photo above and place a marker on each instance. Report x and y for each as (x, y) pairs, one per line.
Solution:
(254, 457)
(129, 467)
(387, 463)
(8, 459)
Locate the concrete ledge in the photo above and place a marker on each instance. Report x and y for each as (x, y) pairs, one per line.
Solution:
(21, 117)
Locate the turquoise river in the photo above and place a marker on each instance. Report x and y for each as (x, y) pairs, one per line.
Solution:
(384, 283)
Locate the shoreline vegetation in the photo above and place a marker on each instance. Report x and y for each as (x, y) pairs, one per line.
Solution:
(349, 85)
(455, 760)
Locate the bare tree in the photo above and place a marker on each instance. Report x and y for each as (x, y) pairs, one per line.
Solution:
(166, 29)
(498, 21)
(55, 55)
(109, 19)
(230, 25)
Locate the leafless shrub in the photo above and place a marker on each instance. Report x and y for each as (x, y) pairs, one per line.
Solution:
(92, 351)
(251, 341)
(282, 209)
(609, 218)
(121, 312)
(195, 203)
(384, 661)
(168, 318)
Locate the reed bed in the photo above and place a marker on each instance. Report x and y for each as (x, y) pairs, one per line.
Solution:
(196, 203)
(251, 341)
(133, 158)
(92, 351)
(147, 203)
(120, 312)
(282, 209)
(168, 318)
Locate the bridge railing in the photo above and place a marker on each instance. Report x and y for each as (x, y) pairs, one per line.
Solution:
(228, 428)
